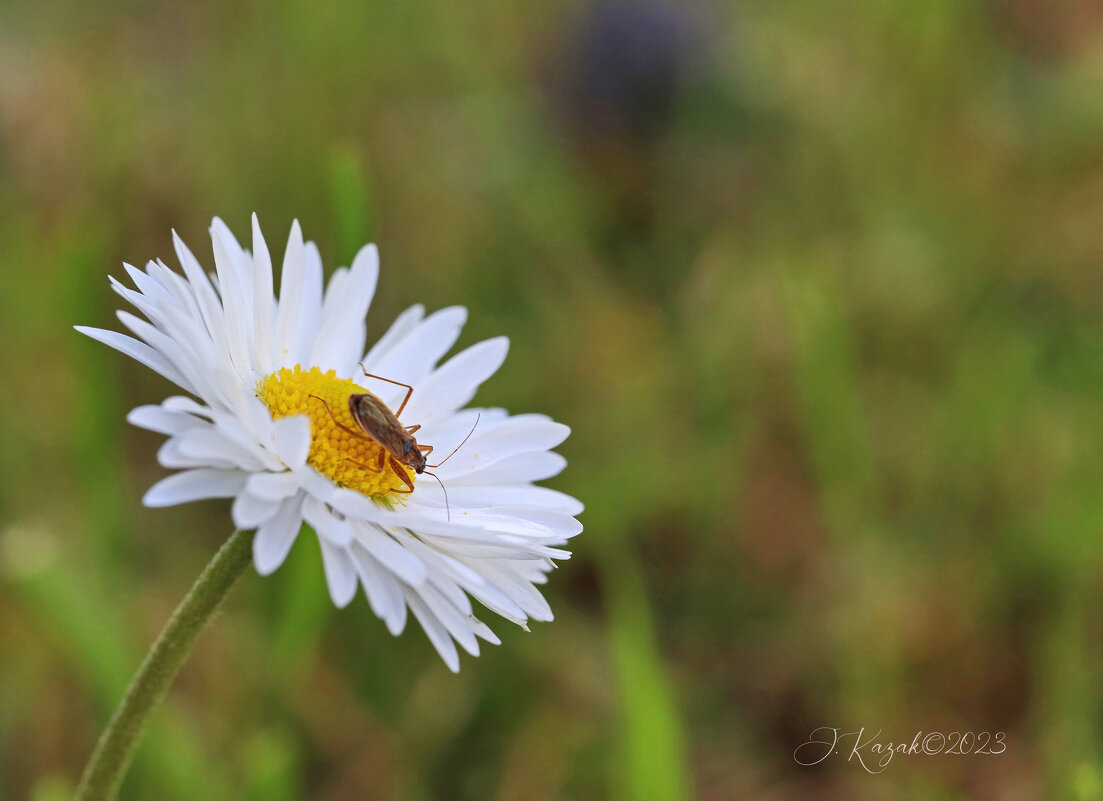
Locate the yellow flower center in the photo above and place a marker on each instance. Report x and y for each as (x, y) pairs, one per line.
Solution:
(338, 446)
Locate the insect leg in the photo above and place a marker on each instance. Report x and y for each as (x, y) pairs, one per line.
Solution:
(336, 422)
(413, 429)
(409, 389)
(398, 471)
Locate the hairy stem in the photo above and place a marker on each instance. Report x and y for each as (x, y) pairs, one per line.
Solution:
(115, 749)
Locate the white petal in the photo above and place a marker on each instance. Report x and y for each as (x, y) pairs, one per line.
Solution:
(517, 469)
(523, 433)
(272, 486)
(182, 403)
(195, 485)
(139, 351)
(238, 315)
(289, 313)
(448, 574)
(293, 439)
(340, 573)
(148, 285)
(241, 432)
(248, 511)
(504, 548)
(263, 300)
(205, 296)
(483, 632)
(252, 417)
(411, 359)
(435, 630)
(426, 521)
(333, 292)
(382, 588)
(311, 312)
(176, 285)
(340, 338)
(176, 353)
(526, 495)
(403, 325)
(520, 590)
(317, 485)
(156, 418)
(276, 536)
(454, 383)
(458, 624)
(559, 525)
(238, 258)
(525, 525)
(448, 433)
(209, 442)
(337, 532)
(171, 455)
(390, 554)
(442, 574)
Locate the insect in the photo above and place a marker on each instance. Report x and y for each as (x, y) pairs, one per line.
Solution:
(399, 447)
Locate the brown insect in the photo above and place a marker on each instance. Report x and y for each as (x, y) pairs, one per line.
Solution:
(380, 425)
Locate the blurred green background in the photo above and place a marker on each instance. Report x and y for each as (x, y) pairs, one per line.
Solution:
(818, 287)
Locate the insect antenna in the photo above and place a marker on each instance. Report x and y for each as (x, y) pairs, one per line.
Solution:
(453, 453)
(447, 508)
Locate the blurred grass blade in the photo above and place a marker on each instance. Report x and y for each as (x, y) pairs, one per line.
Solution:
(271, 764)
(830, 395)
(304, 607)
(652, 740)
(352, 208)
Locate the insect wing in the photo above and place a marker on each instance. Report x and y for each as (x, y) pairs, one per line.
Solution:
(377, 421)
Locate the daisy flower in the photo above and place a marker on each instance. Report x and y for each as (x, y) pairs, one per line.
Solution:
(267, 422)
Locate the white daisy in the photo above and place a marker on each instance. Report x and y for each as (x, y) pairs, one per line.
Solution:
(269, 425)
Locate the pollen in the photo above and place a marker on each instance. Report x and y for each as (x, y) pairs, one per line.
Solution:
(338, 447)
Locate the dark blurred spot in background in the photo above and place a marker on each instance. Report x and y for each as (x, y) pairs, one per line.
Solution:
(617, 79)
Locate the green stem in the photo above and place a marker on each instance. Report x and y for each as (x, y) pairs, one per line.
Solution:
(114, 751)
